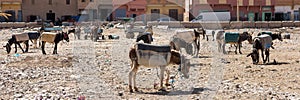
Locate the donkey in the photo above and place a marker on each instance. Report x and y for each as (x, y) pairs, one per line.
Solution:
(53, 38)
(263, 43)
(204, 34)
(274, 36)
(22, 38)
(153, 56)
(238, 39)
(181, 39)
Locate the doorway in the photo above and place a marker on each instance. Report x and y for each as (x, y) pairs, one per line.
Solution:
(256, 17)
(251, 16)
(50, 16)
(279, 16)
(267, 16)
(173, 13)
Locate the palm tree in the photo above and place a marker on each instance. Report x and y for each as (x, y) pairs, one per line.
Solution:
(6, 15)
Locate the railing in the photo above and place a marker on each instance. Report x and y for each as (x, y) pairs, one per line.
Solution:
(17, 24)
(229, 24)
(179, 24)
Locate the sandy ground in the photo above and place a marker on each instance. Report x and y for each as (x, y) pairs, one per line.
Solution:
(99, 70)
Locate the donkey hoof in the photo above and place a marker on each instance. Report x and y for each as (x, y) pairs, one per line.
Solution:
(167, 84)
(163, 90)
(136, 89)
(131, 91)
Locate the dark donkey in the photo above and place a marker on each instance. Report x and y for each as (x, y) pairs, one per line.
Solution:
(53, 38)
(242, 37)
(146, 37)
(21, 38)
(204, 34)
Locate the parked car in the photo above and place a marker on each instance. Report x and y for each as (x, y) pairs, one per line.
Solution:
(164, 19)
(212, 16)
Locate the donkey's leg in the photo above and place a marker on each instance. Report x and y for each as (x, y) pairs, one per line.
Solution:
(206, 38)
(20, 47)
(134, 77)
(27, 45)
(236, 47)
(267, 55)
(131, 73)
(219, 46)
(263, 56)
(240, 44)
(162, 70)
(35, 43)
(168, 78)
(223, 48)
(43, 47)
(213, 35)
(16, 48)
(55, 49)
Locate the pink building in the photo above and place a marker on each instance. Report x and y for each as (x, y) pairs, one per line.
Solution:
(252, 10)
(129, 8)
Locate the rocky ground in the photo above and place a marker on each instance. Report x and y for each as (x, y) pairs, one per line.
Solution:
(99, 70)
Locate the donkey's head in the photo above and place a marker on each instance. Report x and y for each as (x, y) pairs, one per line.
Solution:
(65, 36)
(254, 55)
(248, 36)
(8, 48)
(146, 37)
(277, 36)
(8, 44)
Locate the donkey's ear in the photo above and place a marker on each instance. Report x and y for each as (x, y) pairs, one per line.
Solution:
(249, 54)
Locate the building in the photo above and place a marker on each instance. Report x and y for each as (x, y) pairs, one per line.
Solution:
(12, 7)
(286, 10)
(128, 8)
(95, 9)
(162, 8)
(48, 9)
(249, 10)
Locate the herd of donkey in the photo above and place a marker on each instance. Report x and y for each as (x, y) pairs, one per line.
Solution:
(150, 55)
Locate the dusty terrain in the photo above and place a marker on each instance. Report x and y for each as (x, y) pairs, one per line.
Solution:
(99, 70)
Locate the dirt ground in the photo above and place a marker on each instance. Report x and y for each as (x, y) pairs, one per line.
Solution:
(99, 70)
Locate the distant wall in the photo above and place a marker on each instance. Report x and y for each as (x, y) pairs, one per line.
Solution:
(227, 24)
(206, 25)
(17, 24)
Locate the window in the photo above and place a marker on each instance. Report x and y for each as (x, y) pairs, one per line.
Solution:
(203, 1)
(82, 0)
(222, 1)
(32, 2)
(68, 2)
(50, 2)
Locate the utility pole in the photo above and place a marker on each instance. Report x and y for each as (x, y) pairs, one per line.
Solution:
(292, 13)
(237, 10)
(186, 15)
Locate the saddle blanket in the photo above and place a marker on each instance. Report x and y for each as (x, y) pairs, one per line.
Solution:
(33, 34)
(21, 36)
(231, 37)
(48, 37)
(266, 41)
(153, 55)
